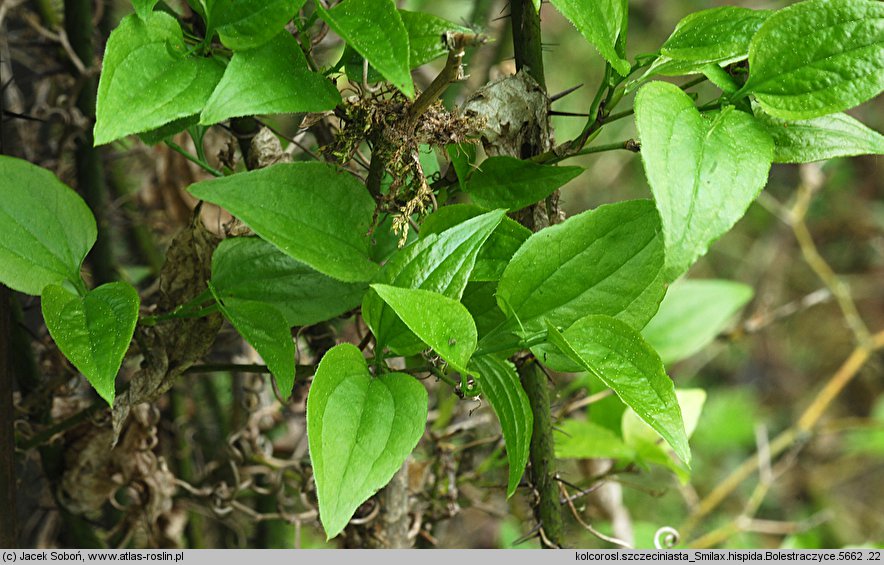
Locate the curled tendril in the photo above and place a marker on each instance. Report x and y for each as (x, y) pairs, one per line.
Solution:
(666, 538)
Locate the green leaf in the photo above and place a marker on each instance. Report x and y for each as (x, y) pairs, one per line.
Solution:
(720, 78)
(444, 324)
(479, 298)
(602, 261)
(246, 24)
(718, 35)
(266, 329)
(271, 79)
(425, 43)
(616, 354)
(148, 79)
(155, 136)
(48, 229)
(646, 442)
(704, 171)
(500, 385)
(599, 21)
(144, 7)
(360, 430)
(327, 229)
(826, 137)
(665, 66)
(375, 30)
(498, 249)
(302, 295)
(438, 263)
(818, 57)
(93, 331)
(425, 36)
(582, 439)
(692, 315)
(507, 182)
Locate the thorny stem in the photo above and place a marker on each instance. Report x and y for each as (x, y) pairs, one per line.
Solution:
(527, 46)
(542, 455)
(440, 374)
(528, 51)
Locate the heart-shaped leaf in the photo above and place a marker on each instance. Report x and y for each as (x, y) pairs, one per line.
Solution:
(507, 182)
(326, 229)
(148, 79)
(826, 137)
(602, 261)
(425, 36)
(818, 57)
(271, 79)
(584, 439)
(246, 24)
(439, 263)
(498, 249)
(360, 430)
(718, 35)
(704, 41)
(48, 229)
(704, 171)
(265, 328)
(93, 331)
(479, 299)
(500, 384)
(444, 324)
(375, 30)
(143, 7)
(692, 314)
(303, 295)
(600, 23)
(619, 357)
(646, 442)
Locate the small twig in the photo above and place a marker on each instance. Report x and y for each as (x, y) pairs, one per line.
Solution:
(59, 37)
(591, 399)
(588, 527)
(812, 257)
(628, 145)
(761, 320)
(204, 166)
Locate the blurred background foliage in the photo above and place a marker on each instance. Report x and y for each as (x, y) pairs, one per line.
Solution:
(759, 375)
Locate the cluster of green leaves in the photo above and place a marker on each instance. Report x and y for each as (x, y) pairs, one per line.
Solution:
(49, 232)
(475, 287)
(157, 80)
